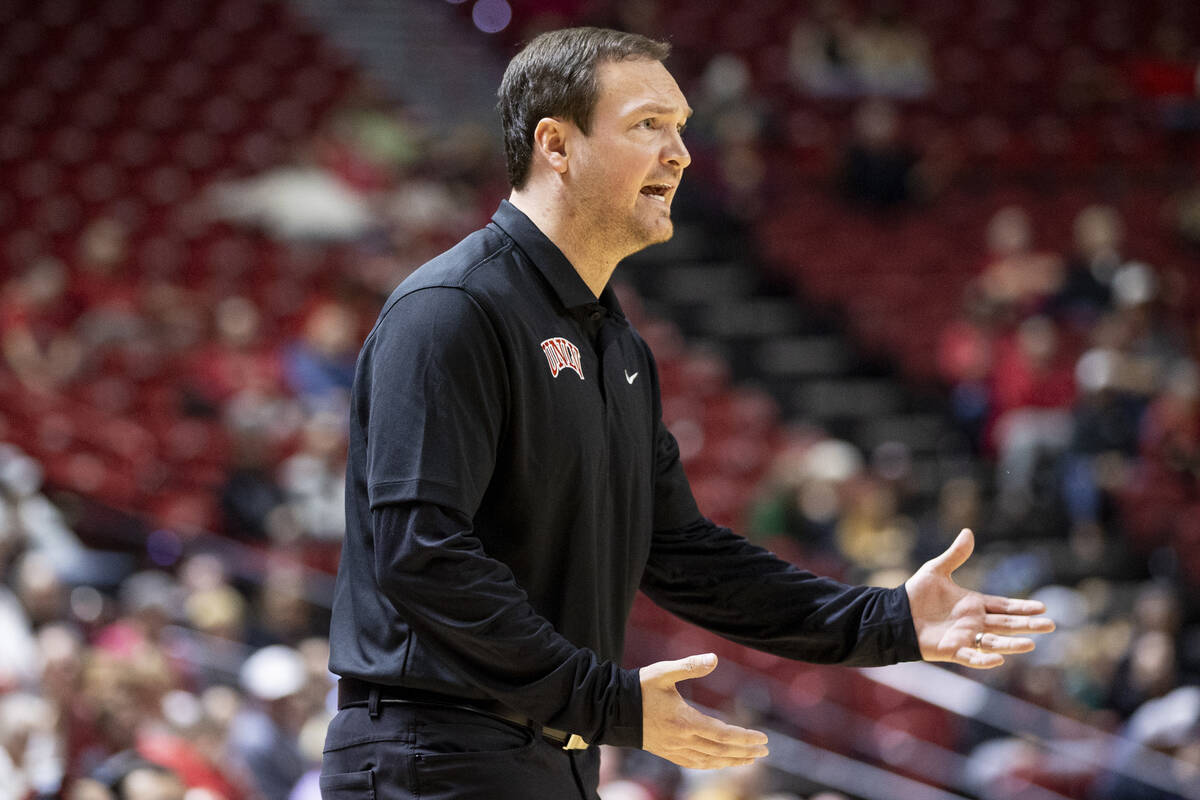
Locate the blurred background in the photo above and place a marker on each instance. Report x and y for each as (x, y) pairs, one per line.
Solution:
(935, 266)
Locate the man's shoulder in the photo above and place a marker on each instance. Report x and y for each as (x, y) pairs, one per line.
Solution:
(472, 274)
(458, 267)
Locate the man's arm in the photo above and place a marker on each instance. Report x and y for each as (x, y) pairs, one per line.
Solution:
(468, 609)
(711, 576)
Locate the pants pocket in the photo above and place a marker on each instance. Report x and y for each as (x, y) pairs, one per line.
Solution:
(451, 734)
(348, 786)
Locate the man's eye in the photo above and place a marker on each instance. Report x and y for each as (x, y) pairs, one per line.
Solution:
(648, 124)
(681, 128)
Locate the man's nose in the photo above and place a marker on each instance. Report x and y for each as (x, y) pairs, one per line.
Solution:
(676, 154)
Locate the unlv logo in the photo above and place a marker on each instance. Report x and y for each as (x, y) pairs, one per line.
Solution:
(561, 355)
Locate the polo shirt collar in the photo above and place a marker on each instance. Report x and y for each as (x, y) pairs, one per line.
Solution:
(571, 289)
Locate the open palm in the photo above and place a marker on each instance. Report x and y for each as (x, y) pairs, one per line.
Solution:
(948, 617)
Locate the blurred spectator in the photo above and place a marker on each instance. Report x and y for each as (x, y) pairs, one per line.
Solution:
(731, 783)
(1166, 78)
(128, 776)
(1170, 439)
(1149, 671)
(800, 513)
(282, 611)
(108, 291)
(1148, 337)
(1103, 440)
(1033, 391)
(1086, 290)
(149, 601)
(263, 737)
(871, 534)
(190, 742)
(239, 360)
(31, 759)
(18, 658)
(314, 479)
(832, 55)
(37, 312)
(966, 358)
(960, 505)
(319, 366)
(821, 51)
(1017, 277)
(251, 498)
(39, 588)
(892, 55)
(730, 119)
(120, 693)
(34, 522)
(877, 170)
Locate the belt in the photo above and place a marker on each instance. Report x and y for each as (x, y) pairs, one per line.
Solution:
(353, 692)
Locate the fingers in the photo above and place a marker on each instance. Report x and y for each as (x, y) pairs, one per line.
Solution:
(1006, 645)
(1011, 624)
(681, 670)
(956, 555)
(725, 738)
(712, 744)
(704, 742)
(970, 657)
(697, 759)
(991, 650)
(1011, 605)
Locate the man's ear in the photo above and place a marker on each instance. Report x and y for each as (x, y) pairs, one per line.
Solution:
(550, 142)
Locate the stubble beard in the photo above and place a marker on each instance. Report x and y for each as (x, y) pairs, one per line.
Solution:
(630, 232)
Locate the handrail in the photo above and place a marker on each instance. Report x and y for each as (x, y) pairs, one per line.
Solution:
(940, 764)
(971, 698)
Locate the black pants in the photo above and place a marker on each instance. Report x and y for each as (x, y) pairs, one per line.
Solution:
(424, 752)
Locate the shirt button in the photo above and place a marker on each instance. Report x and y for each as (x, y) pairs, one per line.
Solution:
(597, 315)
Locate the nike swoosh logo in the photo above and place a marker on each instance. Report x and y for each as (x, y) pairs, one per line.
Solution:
(630, 378)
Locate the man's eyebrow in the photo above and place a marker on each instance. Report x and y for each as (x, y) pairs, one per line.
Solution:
(659, 108)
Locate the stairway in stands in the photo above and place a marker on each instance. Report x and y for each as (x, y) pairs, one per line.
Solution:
(707, 280)
(423, 52)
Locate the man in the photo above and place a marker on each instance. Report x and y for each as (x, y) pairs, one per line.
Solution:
(511, 486)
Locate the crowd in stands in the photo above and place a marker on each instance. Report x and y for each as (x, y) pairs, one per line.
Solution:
(178, 670)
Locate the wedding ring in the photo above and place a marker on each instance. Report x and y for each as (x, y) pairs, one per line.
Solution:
(979, 641)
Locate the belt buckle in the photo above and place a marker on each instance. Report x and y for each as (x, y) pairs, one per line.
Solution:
(575, 742)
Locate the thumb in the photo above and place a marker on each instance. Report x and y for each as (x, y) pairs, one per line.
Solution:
(684, 669)
(956, 555)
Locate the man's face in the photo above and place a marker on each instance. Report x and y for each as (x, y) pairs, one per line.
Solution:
(625, 172)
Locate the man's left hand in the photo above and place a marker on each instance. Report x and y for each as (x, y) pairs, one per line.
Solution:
(949, 619)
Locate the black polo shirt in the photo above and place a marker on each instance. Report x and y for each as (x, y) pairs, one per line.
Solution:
(510, 486)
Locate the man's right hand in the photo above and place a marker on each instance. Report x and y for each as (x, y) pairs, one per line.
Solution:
(681, 734)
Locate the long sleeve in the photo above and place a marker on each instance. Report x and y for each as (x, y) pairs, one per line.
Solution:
(711, 576)
(467, 611)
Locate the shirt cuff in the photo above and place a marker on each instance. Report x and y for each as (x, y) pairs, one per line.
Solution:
(905, 645)
(625, 728)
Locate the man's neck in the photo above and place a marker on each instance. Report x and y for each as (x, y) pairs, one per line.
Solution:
(567, 233)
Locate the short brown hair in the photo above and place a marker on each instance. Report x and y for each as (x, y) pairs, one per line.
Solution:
(555, 76)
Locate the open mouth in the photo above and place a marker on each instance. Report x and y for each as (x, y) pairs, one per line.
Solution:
(657, 191)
